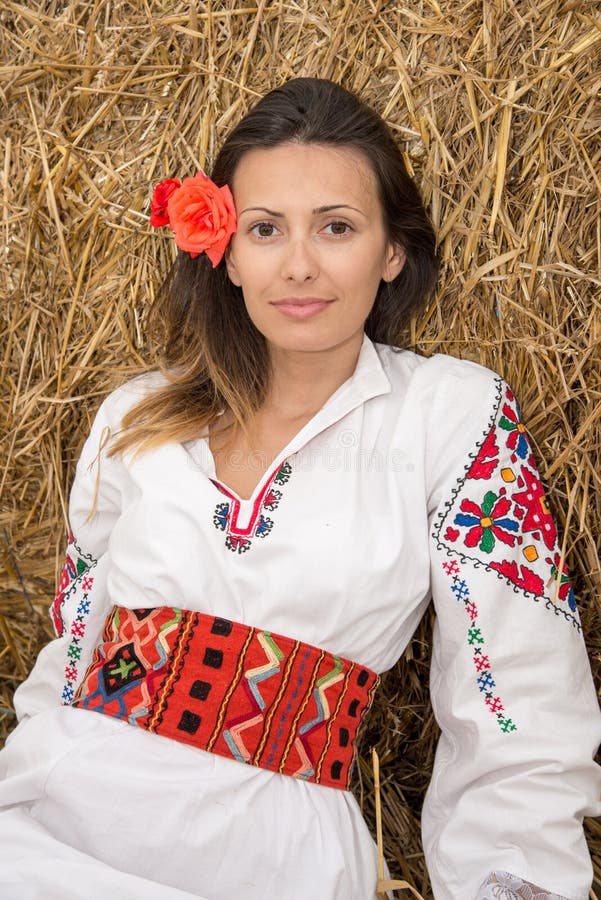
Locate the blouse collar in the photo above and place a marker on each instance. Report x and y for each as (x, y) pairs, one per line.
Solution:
(368, 380)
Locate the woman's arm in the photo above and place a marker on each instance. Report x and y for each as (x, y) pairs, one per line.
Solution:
(511, 683)
(80, 605)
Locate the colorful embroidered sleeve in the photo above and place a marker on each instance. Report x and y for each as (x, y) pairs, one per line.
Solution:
(80, 603)
(511, 683)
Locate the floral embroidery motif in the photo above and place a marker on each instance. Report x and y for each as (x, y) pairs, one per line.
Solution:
(485, 681)
(499, 502)
(510, 421)
(225, 518)
(522, 577)
(75, 581)
(486, 462)
(487, 522)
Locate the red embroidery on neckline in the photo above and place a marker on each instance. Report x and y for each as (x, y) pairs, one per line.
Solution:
(236, 505)
(225, 518)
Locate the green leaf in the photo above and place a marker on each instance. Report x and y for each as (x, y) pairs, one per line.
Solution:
(488, 541)
(489, 501)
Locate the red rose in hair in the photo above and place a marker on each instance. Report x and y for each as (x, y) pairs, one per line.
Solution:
(158, 204)
(202, 216)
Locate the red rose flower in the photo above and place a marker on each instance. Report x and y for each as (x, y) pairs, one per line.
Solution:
(202, 216)
(158, 204)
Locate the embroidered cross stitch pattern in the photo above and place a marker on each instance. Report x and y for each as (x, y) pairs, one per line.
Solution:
(498, 505)
(76, 581)
(485, 681)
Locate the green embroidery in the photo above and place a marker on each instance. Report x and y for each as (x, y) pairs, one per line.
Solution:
(474, 636)
(123, 669)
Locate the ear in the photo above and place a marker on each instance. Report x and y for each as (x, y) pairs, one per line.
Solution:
(230, 265)
(394, 262)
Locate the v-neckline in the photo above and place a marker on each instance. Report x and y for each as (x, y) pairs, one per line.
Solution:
(274, 467)
(369, 379)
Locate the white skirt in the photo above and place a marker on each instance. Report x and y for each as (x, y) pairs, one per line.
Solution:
(91, 806)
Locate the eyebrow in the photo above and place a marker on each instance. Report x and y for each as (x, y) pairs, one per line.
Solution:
(318, 210)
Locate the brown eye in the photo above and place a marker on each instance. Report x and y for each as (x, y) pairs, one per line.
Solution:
(339, 228)
(264, 229)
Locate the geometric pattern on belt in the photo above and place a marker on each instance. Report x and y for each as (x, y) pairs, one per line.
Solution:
(247, 694)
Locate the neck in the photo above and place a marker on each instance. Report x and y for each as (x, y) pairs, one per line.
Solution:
(302, 381)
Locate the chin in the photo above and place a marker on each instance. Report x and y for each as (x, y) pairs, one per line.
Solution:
(310, 342)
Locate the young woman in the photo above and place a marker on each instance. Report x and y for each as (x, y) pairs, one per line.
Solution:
(257, 527)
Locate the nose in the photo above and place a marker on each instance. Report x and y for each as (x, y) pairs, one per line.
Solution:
(299, 262)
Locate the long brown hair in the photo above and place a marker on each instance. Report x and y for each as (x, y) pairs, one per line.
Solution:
(212, 355)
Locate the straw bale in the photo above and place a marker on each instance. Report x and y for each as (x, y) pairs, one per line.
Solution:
(494, 106)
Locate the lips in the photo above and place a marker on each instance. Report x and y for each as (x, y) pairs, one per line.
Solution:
(301, 307)
(300, 301)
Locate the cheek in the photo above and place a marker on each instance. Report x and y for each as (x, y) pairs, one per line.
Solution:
(362, 269)
(252, 267)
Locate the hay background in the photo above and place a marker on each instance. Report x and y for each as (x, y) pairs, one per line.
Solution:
(494, 106)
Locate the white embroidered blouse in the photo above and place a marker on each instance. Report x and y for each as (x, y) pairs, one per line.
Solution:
(415, 480)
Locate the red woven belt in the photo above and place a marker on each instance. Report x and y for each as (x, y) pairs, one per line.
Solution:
(247, 694)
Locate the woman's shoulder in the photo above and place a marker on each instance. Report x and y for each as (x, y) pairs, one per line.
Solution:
(453, 403)
(124, 397)
(438, 374)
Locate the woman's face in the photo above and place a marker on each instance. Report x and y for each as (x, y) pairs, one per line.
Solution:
(311, 246)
